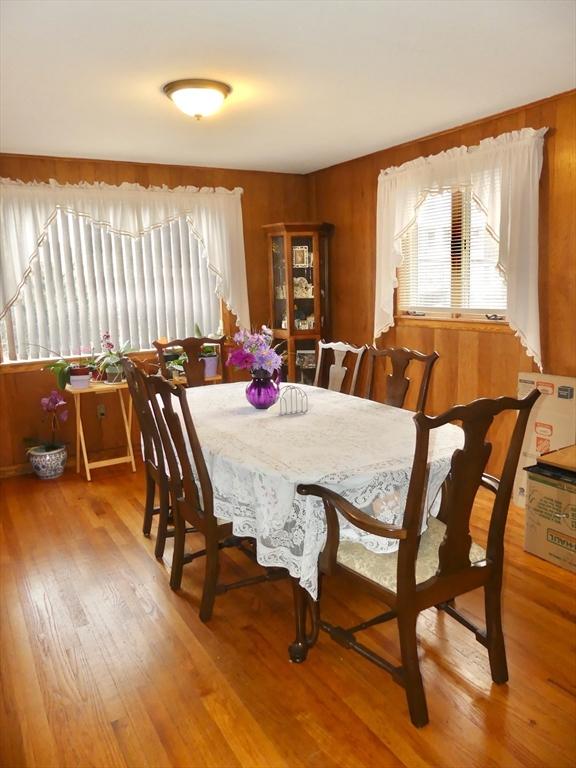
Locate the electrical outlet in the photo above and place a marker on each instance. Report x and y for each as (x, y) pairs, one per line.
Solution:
(101, 410)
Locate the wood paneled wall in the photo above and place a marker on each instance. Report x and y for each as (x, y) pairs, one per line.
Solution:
(267, 198)
(476, 360)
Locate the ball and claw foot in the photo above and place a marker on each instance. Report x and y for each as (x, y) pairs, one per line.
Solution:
(298, 652)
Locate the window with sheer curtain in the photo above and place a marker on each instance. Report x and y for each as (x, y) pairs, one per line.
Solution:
(450, 260)
(457, 234)
(88, 279)
(139, 263)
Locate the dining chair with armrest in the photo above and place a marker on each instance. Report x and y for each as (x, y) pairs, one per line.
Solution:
(193, 365)
(193, 499)
(430, 568)
(397, 383)
(344, 368)
(154, 463)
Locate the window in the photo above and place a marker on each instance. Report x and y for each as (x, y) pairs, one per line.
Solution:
(457, 232)
(450, 259)
(88, 278)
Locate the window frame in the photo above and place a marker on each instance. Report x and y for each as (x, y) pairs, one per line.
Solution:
(460, 265)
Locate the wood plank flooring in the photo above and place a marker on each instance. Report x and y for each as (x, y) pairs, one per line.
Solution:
(102, 665)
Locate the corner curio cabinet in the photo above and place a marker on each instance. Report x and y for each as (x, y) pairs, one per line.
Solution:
(298, 256)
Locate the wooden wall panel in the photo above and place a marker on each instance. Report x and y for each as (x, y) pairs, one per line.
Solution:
(473, 363)
(267, 198)
(345, 195)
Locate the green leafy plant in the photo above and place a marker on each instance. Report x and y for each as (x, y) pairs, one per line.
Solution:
(111, 357)
(61, 370)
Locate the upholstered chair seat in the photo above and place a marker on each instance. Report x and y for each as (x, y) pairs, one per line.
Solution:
(381, 568)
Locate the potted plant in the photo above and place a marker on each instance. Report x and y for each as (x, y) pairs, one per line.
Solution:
(109, 360)
(209, 355)
(49, 459)
(77, 374)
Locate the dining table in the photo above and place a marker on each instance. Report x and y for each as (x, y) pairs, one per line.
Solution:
(359, 448)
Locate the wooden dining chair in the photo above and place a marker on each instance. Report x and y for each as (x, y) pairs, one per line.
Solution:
(430, 568)
(337, 366)
(154, 463)
(193, 499)
(397, 383)
(193, 365)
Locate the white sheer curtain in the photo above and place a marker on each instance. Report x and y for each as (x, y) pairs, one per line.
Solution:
(215, 215)
(88, 279)
(503, 174)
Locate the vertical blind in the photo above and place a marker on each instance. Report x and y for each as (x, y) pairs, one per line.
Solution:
(88, 279)
(450, 258)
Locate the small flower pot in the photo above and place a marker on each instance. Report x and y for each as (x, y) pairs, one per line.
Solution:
(80, 380)
(210, 366)
(48, 464)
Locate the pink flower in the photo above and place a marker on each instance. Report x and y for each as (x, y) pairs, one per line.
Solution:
(52, 402)
(240, 358)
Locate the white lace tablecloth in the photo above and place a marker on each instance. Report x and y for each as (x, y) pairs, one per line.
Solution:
(361, 449)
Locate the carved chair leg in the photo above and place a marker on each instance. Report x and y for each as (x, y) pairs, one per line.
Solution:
(411, 669)
(494, 634)
(178, 556)
(303, 603)
(162, 521)
(210, 581)
(149, 504)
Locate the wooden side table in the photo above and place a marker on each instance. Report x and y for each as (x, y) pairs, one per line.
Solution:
(101, 388)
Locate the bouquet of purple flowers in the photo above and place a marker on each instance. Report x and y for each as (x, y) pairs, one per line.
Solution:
(255, 353)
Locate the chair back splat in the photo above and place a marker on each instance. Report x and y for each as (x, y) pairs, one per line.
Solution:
(193, 365)
(435, 562)
(337, 366)
(397, 383)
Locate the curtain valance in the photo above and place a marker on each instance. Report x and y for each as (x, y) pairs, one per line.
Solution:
(27, 209)
(503, 175)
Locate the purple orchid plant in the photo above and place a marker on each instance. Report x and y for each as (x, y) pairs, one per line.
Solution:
(255, 353)
(52, 406)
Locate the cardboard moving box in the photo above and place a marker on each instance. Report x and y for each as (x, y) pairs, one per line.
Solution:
(552, 422)
(551, 509)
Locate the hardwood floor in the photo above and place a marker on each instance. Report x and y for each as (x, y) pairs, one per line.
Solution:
(102, 665)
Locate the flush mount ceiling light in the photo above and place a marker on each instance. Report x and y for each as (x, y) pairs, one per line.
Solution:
(197, 98)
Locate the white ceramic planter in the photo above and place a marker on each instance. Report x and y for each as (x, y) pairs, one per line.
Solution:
(48, 465)
(210, 366)
(81, 381)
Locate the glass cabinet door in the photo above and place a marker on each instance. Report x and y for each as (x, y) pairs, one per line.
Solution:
(280, 283)
(305, 362)
(304, 283)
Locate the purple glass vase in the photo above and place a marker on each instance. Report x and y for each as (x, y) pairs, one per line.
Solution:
(263, 391)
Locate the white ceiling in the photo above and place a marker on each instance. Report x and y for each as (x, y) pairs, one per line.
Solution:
(315, 82)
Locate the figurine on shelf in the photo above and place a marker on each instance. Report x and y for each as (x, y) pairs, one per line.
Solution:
(303, 289)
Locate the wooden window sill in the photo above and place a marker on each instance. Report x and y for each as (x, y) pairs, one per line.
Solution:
(454, 324)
